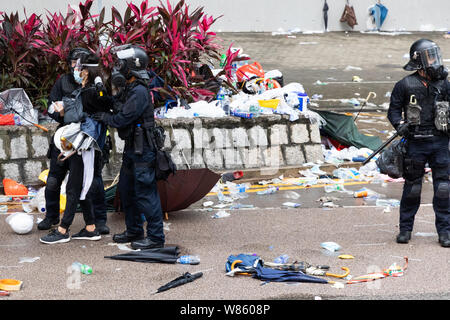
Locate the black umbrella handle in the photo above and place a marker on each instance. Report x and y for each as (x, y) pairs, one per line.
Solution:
(380, 148)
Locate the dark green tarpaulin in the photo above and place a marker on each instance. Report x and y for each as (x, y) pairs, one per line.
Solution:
(341, 127)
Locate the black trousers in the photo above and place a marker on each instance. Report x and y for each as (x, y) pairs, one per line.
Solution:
(435, 152)
(73, 191)
(57, 173)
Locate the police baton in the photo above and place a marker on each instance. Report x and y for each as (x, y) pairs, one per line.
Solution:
(380, 148)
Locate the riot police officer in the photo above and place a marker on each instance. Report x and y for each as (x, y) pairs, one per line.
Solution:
(134, 119)
(418, 110)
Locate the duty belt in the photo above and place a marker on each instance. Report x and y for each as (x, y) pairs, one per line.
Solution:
(426, 133)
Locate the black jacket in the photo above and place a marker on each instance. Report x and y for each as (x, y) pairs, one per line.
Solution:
(426, 94)
(63, 87)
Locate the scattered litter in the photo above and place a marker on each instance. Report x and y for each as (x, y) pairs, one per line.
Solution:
(4, 293)
(330, 246)
(291, 204)
(349, 68)
(346, 256)
(122, 246)
(220, 214)
(29, 260)
(208, 203)
(20, 222)
(317, 96)
(425, 234)
(238, 206)
(10, 284)
(220, 206)
(338, 285)
(284, 258)
(330, 205)
(269, 190)
(166, 226)
(291, 195)
(83, 268)
(320, 83)
(308, 42)
(357, 79)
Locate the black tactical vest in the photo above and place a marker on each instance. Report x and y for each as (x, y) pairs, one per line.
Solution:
(426, 97)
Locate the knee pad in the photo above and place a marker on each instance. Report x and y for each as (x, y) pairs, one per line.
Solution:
(442, 190)
(52, 184)
(416, 190)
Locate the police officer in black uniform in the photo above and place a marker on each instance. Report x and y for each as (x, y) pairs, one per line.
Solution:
(63, 87)
(134, 119)
(418, 110)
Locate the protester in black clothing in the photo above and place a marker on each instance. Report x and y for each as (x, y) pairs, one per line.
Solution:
(63, 87)
(419, 112)
(92, 101)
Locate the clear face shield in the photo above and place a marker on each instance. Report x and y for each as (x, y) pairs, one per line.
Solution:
(431, 57)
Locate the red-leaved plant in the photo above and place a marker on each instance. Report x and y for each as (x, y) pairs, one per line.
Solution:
(177, 40)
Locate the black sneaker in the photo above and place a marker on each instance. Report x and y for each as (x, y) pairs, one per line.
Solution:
(47, 224)
(55, 236)
(87, 235)
(102, 228)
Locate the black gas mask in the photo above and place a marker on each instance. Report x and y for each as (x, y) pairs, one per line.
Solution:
(120, 74)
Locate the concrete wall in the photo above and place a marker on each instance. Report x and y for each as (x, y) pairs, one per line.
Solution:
(269, 15)
(269, 142)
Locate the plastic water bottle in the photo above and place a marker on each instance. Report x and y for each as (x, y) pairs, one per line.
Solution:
(188, 259)
(83, 268)
(269, 190)
(284, 258)
(246, 115)
(17, 120)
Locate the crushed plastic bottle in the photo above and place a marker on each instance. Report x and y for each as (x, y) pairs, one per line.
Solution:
(284, 258)
(330, 246)
(337, 187)
(387, 203)
(83, 268)
(189, 259)
(291, 204)
(269, 190)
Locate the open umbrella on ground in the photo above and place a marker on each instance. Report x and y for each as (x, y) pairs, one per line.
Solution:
(275, 275)
(180, 190)
(185, 278)
(162, 255)
(185, 187)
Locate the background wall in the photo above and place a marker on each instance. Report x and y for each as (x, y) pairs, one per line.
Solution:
(270, 16)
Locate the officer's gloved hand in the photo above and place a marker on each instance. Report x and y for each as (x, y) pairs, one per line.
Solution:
(99, 116)
(402, 129)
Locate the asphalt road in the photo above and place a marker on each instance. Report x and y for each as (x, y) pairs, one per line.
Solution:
(362, 230)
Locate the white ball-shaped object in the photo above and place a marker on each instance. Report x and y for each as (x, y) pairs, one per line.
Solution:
(20, 222)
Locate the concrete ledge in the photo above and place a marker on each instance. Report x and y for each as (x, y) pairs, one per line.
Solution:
(267, 143)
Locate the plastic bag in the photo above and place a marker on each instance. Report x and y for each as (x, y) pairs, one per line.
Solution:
(20, 222)
(390, 161)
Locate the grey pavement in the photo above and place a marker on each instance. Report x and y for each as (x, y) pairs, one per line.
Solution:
(362, 230)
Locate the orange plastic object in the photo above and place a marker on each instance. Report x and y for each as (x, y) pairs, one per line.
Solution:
(10, 284)
(7, 119)
(249, 70)
(13, 188)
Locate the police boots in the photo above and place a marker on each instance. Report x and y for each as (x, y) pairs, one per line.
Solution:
(404, 237)
(444, 239)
